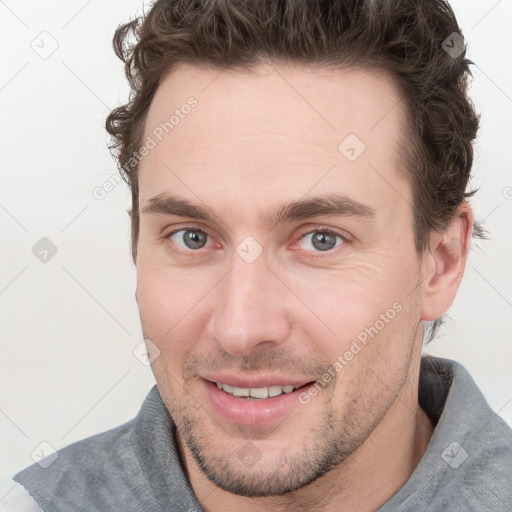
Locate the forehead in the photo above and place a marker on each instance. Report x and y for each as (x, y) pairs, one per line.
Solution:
(273, 96)
(279, 126)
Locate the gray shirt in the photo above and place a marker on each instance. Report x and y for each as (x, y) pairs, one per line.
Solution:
(136, 466)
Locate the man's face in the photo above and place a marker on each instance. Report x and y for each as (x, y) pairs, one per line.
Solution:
(260, 296)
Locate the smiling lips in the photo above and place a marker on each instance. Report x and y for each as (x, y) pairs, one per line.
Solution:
(253, 400)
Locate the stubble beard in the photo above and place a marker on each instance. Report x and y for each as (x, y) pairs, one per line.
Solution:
(322, 448)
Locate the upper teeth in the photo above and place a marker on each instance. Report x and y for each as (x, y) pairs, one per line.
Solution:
(256, 392)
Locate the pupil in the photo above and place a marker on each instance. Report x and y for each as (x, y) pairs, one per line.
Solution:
(323, 238)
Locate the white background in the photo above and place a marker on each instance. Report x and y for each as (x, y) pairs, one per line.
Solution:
(69, 326)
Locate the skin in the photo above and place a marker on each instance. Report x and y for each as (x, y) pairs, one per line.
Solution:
(252, 143)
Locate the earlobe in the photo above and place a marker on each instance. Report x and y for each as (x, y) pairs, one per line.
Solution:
(444, 268)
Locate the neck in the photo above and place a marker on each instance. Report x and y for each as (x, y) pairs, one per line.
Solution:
(365, 481)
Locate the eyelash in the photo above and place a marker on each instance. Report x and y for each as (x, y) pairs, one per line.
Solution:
(315, 229)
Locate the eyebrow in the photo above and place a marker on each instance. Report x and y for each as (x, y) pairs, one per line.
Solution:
(330, 204)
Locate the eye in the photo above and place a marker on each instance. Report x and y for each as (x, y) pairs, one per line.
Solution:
(321, 239)
(190, 238)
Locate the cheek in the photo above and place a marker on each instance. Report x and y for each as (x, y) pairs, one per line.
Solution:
(371, 364)
(355, 298)
(167, 291)
(167, 303)
(371, 317)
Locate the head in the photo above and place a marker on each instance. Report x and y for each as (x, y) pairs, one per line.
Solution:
(299, 195)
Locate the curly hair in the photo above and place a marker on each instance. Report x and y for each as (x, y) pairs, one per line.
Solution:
(407, 39)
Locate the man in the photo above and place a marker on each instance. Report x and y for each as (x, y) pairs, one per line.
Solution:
(300, 215)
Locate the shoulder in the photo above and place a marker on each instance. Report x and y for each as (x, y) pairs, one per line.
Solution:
(473, 447)
(481, 466)
(107, 468)
(79, 468)
(79, 456)
(468, 462)
(18, 500)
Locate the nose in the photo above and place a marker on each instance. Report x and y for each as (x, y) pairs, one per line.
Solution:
(250, 309)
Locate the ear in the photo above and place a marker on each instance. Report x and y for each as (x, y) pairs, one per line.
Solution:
(443, 267)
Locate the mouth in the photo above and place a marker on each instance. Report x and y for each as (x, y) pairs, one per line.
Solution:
(260, 393)
(253, 405)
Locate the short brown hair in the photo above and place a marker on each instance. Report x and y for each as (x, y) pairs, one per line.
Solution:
(404, 38)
